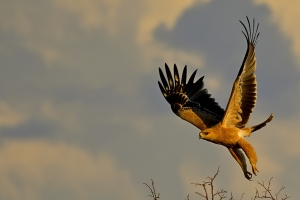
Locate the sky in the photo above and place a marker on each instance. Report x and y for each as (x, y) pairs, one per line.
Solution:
(82, 116)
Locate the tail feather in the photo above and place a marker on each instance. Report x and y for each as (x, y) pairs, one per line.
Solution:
(263, 124)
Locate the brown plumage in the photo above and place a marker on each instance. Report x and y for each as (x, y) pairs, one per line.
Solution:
(193, 103)
(190, 101)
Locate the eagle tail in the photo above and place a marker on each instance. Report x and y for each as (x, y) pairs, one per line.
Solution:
(263, 124)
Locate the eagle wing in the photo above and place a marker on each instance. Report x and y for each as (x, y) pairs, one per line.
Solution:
(244, 92)
(190, 101)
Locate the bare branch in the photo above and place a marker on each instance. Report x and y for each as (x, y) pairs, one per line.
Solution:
(209, 193)
(267, 192)
(241, 196)
(188, 197)
(152, 190)
(213, 194)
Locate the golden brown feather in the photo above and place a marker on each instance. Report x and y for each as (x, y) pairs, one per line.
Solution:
(194, 104)
(190, 101)
(230, 132)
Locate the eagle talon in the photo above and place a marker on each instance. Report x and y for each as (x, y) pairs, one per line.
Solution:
(248, 176)
(192, 103)
(255, 170)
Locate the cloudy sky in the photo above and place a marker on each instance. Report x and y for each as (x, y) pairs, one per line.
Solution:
(81, 114)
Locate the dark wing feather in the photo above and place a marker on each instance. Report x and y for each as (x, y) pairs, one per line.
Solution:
(189, 100)
(244, 93)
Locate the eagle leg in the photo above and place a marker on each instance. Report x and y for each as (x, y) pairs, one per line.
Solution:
(240, 158)
(250, 152)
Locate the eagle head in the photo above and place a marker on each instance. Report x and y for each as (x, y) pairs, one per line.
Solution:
(211, 135)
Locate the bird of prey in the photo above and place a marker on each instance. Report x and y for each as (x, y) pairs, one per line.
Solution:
(191, 102)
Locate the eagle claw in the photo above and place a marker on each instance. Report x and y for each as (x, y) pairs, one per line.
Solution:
(248, 175)
(254, 169)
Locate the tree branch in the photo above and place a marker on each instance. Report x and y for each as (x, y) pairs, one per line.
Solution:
(267, 192)
(152, 190)
(209, 193)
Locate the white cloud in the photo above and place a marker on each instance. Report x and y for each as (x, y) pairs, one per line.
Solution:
(42, 170)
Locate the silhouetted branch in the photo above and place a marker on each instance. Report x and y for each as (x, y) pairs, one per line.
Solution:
(210, 194)
(267, 192)
(152, 190)
(209, 183)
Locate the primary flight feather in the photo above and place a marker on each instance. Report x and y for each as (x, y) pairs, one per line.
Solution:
(191, 102)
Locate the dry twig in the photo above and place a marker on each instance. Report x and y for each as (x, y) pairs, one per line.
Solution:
(267, 192)
(210, 194)
(210, 181)
(152, 190)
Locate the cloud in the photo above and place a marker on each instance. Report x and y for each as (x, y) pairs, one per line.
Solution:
(164, 14)
(92, 14)
(165, 54)
(286, 16)
(190, 172)
(10, 117)
(85, 72)
(57, 25)
(36, 169)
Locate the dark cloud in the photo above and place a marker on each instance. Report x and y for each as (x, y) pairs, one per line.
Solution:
(99, 81)
(214, 30)
(30, 130)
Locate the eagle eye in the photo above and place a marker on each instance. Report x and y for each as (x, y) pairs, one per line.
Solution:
(205, 133)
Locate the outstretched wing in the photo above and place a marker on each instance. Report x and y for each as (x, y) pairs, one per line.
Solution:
(189, 100)
(244, 93)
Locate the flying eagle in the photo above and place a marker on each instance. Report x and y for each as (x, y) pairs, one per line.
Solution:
(191, 102)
